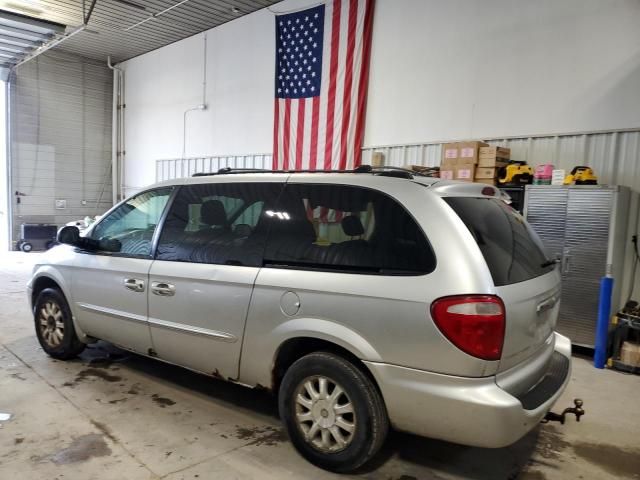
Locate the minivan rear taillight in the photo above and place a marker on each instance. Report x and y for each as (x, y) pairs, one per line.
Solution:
(473, 323)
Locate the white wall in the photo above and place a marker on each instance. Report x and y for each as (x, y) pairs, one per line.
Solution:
(439, 70)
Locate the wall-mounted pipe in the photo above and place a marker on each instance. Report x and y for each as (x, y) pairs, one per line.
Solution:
(202, 106)
(155, 15)
(117, 133)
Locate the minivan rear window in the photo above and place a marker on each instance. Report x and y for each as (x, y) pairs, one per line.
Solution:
(512, 250)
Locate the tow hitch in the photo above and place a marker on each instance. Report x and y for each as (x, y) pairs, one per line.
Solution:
(560, 417)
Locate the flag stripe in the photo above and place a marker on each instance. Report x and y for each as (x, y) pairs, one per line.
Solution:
(362, 84)
(300, 133)
(276, 131)
(285, 127)
(324, 85)
(293, 138)
(355, 91)
(333, 73)
(342, 63)
(313, 156)
(348, 83)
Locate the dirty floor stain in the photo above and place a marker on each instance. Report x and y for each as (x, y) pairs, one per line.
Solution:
(82, 449)
(551, 443)
(162, 401)
(621, 462)
(269, 436)
(92, 373)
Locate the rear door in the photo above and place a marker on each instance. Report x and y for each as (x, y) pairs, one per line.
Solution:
(526, 280)
(208, 256)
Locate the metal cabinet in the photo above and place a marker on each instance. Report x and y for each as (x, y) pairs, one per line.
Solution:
(584, 227)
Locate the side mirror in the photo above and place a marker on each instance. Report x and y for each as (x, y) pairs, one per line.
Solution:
(69, 235)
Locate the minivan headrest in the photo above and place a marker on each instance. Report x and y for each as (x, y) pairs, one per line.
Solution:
(213, 213)
(352, 226)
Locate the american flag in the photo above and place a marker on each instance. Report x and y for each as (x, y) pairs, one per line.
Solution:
(322, 66)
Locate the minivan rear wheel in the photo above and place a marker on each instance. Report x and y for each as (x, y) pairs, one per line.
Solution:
(54, 325)
(333, 412)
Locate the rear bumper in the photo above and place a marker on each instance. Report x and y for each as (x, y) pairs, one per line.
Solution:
(469, 411)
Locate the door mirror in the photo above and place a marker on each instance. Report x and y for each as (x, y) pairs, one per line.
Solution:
(69, 235)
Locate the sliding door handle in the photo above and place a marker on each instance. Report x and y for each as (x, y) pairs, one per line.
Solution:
(163, 289)
(134, 284)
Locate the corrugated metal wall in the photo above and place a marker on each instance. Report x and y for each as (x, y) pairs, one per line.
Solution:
(60, 139)
(185, 167)
(615, 156)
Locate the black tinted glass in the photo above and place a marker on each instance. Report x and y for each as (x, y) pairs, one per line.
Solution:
(218, 223)
(346, 228)
(129, 229)
(511, 249)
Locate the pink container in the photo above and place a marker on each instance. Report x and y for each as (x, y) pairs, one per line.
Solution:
(543, 171)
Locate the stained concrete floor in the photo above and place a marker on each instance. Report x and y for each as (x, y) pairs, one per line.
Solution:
(113, 415)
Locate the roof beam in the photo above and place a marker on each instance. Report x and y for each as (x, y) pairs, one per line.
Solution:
(13, 48)
(19, 42)
(39, 26)
(22, 33)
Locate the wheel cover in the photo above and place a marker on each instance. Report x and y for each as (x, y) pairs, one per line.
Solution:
(324, 414)
(51, 323)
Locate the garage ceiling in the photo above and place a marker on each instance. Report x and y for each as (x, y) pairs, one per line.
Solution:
(127, 28)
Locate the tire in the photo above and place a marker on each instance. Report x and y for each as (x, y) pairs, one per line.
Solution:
(26, 247)
(319, 409)
(54, 325)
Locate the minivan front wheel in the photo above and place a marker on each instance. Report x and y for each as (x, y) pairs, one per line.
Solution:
(54, 325)
(333, 412)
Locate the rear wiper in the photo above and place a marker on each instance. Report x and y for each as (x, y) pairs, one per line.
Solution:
(548, 263)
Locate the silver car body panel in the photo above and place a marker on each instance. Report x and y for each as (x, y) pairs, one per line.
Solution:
(230, 321)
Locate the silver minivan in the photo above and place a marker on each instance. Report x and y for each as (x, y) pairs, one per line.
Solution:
(365, 300)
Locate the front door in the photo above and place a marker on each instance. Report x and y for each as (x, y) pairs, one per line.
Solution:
(110, 285)
(209, 254)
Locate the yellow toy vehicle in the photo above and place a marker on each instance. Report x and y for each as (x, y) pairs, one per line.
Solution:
(581, 176)
(515, 173)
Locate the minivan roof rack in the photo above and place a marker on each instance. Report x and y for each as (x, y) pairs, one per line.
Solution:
(386, 171)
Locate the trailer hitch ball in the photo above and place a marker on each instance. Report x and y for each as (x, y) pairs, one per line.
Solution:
(560, 417)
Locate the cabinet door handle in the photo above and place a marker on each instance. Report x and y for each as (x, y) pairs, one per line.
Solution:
(134, 284)
(163, 289)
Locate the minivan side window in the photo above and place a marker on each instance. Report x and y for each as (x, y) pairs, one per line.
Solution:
(129, 229)
(346, 228)
(218, 223)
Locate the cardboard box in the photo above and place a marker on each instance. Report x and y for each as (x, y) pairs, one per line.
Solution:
(495, 152)
(465, 172)
(377, 159)
(492, 162)
(468, 152)
(486, 172)
(447, 172)
(449, 162)
(449, 152)
(630, 354)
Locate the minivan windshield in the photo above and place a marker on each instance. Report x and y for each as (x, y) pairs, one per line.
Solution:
(512, 250)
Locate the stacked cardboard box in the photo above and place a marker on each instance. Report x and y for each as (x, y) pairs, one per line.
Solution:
(459, 160)
(490, 160)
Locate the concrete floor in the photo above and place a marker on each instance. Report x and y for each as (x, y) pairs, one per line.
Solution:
(111, 414)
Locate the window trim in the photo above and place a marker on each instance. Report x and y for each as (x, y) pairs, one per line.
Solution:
(154, 239)
(343, 268)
